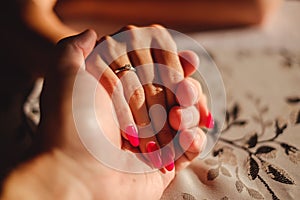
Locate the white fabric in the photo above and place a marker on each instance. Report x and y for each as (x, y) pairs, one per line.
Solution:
(261, 71)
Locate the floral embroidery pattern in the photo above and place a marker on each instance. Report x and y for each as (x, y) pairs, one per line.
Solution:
(259, 150)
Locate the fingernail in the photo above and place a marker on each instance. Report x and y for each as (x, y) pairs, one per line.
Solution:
(209, 121)
(186, 93)
(194, 93)
(132, 135)
(190, 117)
(169, 158)
(187, 116)
(153, 155)
(170, 167)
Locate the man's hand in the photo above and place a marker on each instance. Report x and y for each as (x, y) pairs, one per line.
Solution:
(65, 169)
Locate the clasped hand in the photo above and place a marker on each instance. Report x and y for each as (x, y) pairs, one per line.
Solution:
(161, 80)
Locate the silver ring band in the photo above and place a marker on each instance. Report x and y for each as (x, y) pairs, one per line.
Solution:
(126, 67)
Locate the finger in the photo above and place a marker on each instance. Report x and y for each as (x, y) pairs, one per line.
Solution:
(81, 44)
(186, 97)
(189, 61)
(192, 142)
(184, 118)
(188, 92)
(70, 56)
(206, 118)
(170, 74)
(134, 94)
(101, 71)
(71, 53)
(170, 69)
(155, 100)
(155, 95)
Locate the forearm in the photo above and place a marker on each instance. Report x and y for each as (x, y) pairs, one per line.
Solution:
(49, 176)
(196, 14)
(39, 16)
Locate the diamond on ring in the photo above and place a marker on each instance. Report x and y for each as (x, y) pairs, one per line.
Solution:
(126, 67)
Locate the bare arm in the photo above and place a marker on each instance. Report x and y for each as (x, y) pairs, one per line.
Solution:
(43, 19)
(48, 176)
(201, 14)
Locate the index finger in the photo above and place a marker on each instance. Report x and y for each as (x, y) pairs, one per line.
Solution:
(169, 66)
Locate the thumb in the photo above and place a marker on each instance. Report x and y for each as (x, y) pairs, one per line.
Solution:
(56, 98)
(71, 52)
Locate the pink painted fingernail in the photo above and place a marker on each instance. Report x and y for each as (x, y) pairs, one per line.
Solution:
(170, 167)
(169, 158)
(209, 121)
(132, 135)
(153, 155)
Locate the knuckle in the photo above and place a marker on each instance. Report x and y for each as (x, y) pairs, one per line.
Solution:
(154, 91)
(68, 44)
(162, 32)
(116, 83)
(110, 49)
(158, 26)
(112, 85)
(171, 46)
(124, 28)
(137, 38)
(138, 95)
(108, 42)
(118, 89)
(106, 38)
(130, 27)
(174, 77)
(65, 64)
(126, 36)
(159, 30)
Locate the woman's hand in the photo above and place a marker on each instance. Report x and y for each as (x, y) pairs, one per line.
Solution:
(157, 84)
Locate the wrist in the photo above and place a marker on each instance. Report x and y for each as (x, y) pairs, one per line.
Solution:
(51, 175)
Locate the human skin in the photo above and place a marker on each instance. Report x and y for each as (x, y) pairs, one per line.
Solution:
(161, 78)
(63, 168)
(30, 29)
(42, 26)
(27, 54)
